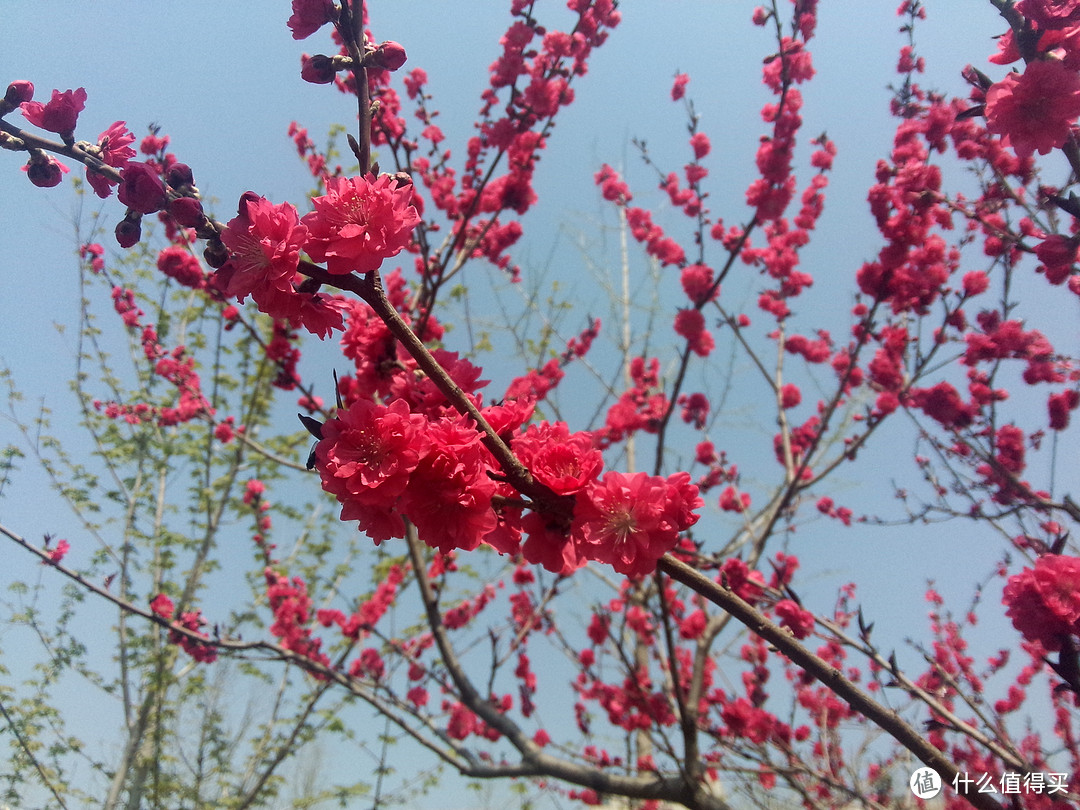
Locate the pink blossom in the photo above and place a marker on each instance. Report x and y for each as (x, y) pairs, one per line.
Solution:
(563, 462)
(178, 263)
(389, 55)
(1060, 405)
(162, 606)
(699, 142)
(678, 88)
(115, 149)
(45, 171)
(631, 521)
(975, 282)
(1058, 254)
(264, 243)
(187, 211)
(360, 222)
(1050, 14)
(943, 403)
(731, 500)
(800, 622)
(697, 282)
(308, 16)
(449, 493)
(19, 92)
(57, 554)
(141, 188)
(1035, 110)
(59, 114)
(317, 69)
(366, 457)
(1044, 602)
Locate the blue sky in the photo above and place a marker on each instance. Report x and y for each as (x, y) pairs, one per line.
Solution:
(222, 79)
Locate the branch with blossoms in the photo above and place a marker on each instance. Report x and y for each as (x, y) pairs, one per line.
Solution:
(413, 453)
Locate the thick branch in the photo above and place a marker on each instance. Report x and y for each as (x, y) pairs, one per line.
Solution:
(831, 677)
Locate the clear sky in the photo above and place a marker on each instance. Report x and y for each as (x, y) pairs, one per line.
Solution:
(222, 79)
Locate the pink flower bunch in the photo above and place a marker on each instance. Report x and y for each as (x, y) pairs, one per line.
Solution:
(1035, 110)
(59, 114)
(386, 463)
(264, 242)
(356, 226)
(202, 651)
(1044, 601)
(291, 606)
(359, 223)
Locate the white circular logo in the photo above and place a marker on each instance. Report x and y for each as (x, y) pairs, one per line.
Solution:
(925, 783)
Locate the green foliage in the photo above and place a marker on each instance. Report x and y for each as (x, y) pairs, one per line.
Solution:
(161, 510)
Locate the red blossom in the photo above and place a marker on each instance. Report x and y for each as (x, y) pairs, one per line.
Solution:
(800, 622)
(678, 88)
(699, 142)
(1058, 254)
(449, 493)
(19, 92)
(308, 16)
(1035, 110)
(141, 188)
(264, 242)
(1044, 602)
(1050, 14)
(389, 55)
(1060, 405)
(162, 606)
(59, 114)
(56, 555)
(631, 521)
(366, 457)
(45, 171)
(359, 223)
(943, 403)
(690, 324)
(115, 150)
(178, 263)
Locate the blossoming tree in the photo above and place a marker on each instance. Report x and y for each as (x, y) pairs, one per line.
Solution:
(440, 484)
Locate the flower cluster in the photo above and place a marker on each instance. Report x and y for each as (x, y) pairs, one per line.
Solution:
(356, 225)
(386, 463)
(198, 646)
(1044, 601)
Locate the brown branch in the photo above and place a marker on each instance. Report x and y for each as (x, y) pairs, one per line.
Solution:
(534, 762)
(831, 677)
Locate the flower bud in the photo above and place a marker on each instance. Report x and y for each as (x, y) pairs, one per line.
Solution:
(18, 92)
(141, 188)
(129, 231)
(179, 175)
(187, 211)
(389, 55)
(44, 172)
(318, 69)
(215, 253)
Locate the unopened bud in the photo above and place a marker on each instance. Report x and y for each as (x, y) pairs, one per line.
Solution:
(43, 172)
(215, 253)
(245, 198)
(129, 231)
(389, 55)
(187, 211)
(179, 175)
(19, 92)
(318, 69)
